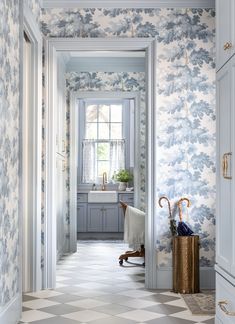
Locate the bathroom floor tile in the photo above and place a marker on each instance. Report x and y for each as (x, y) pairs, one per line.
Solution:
(93, 289)
(140, 315)
(86, 316)
(34, 315)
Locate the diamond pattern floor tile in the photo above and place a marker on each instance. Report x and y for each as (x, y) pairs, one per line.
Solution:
(93, 289)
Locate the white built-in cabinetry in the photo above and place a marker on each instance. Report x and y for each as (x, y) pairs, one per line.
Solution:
(225, 215)
(225, 31)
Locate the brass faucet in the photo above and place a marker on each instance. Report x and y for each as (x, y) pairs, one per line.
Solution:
(104, 181)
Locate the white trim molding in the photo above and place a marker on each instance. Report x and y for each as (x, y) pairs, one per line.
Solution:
(11, 313)
(31, 137)
(53, 47)
(128, 4)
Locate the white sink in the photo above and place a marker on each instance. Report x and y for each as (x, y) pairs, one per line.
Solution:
(97, 196)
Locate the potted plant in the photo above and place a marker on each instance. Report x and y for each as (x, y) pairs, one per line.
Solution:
(123, 177)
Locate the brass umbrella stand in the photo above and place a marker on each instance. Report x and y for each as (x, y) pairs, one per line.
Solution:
(185, 254)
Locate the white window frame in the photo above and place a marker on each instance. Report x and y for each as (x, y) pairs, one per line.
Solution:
(83, 103)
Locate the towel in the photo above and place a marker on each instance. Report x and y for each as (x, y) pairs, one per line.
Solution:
(134, 226)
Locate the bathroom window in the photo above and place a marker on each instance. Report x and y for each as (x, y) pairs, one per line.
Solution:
(104, 139)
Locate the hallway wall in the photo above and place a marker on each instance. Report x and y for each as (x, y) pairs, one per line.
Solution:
(10, 38)
(186, 104)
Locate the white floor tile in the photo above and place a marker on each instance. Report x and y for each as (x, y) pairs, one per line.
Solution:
(137, 303)
(86, 316)
(34, 315)
(136, 293)
(39, 303)
(140, 315)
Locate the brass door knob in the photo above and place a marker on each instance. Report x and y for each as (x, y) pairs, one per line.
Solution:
(227, 46)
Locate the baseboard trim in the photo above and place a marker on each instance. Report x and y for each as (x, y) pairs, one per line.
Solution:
(164, 278)
(11, 313)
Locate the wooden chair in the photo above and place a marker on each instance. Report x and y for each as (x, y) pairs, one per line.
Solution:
(131, 254)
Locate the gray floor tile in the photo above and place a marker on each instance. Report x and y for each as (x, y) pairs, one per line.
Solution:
(61, 309)
(25, 309)
(113, 320)
(169, 320)
(161, 298)
(28, 298)
(165, 309)
(65, 298)
(211, 321)
(56, 320)
(112, 309)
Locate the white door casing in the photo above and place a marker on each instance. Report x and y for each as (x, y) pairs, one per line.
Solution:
(53, 46)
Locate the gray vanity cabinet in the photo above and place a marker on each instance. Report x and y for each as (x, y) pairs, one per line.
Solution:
(102, 218)
(82, 217)
(94, 218)
(110, 218)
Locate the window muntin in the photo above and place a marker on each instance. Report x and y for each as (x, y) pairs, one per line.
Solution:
(103, 127)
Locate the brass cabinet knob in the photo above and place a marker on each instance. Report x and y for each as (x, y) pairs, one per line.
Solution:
(227, 46)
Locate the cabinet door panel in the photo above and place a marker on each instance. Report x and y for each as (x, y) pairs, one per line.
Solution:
(81, 217)
(110, 218)
(95, 218)
(232, 243)
(224, 31)
(224, 186)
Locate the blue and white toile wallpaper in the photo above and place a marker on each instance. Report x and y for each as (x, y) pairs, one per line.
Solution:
(185, 103)
(9, 149)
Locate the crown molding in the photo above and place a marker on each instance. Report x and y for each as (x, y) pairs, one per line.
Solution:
(128, 4)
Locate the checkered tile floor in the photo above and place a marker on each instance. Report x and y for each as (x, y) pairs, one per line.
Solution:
(92, 288)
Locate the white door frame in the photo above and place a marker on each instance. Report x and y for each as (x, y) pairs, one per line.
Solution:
(53, 46)
(74, 122)
(31, 139)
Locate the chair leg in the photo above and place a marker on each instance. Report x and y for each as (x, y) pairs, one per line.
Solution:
(132, 254)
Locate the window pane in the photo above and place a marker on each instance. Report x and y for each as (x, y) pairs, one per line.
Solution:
(103, 151)
(103, 114)
(116, 113)
(91, 131)
(91, 113)
(103, 166)
(116, 131)
(103, 131)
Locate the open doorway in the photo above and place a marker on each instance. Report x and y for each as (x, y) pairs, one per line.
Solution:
(53, 52)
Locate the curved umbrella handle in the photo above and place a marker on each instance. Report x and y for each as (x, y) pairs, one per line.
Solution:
(179, 203)
(168, 202)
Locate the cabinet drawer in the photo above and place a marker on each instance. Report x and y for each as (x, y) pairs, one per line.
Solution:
(127, 198)
(225, 291)
(82, 197)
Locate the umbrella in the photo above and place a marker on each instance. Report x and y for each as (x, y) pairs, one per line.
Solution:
(172, 221)
(183, 229)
